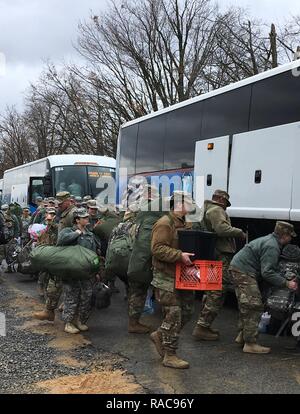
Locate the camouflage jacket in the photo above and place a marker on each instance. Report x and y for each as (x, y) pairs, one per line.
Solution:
(165, 251)
(216, 220)
(50, 236)
(67, 218)
(260, 258)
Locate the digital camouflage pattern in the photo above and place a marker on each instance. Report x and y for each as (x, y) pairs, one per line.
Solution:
(137, 294)
(213, 300)
(177, 308)
(77, 300)
(250, 304)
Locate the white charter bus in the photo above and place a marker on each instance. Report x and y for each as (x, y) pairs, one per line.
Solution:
(79, 174)
(243, 138)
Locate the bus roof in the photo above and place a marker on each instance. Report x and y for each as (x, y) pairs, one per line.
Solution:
(72, 159)
(232, 86)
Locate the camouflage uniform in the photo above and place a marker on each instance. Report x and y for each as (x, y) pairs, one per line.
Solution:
(9, 235)
(25, 226)
(51, 285)
(257, 261)
(177, 306)
(77, 293)
(217, 220)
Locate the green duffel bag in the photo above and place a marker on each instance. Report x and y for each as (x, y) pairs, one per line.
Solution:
(119, 250)
(104, 229)
(67, 262)
(140, 262)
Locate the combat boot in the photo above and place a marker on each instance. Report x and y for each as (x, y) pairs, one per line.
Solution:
(81, 326)
(200, 333)
(135, 327)
(240, 339)
(253, 348)
(71, 329)
(171, 360)
(156, 338)
(46, 315)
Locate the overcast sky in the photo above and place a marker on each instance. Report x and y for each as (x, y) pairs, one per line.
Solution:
(33, 31)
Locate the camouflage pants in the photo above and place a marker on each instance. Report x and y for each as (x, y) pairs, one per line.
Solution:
(77, 300)
(250, 304)
(53, 293)
(177, 310)
(137, 294)
(9, 250)
(43, 281)
(213, 300)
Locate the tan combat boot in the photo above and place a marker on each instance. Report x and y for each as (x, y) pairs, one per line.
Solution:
(240, 339)
(81, 326)
(135, 327)
(253, 348)
(71, 329)
(156, 338)
(200, 333)
(46, 315)
(171, 360)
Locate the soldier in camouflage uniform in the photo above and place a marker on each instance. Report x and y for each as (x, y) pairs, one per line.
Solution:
(177, 305)
(26, 218)
(51, 285)
(94, 214)
(10, 236)
(66, 210)
(258, 261)
(78, 293)
(215, 219)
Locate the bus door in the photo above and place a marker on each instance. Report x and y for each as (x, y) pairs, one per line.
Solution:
(36, 189)
(211, 167)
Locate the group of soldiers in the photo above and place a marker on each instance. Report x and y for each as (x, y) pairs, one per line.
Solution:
(71, 220)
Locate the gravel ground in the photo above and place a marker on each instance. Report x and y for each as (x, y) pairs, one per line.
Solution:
(26, 359)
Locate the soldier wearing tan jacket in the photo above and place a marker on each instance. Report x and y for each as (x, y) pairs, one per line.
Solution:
(215, 219)
(177, 305)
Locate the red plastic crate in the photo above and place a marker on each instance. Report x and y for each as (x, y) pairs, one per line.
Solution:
(203, 275)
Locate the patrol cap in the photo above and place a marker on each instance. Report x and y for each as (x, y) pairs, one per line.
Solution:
(291, 252)
(4, 207)
(26, 208)
(87, 198)
(78, 199)
(63, 196)
(50, 210)
(80, 213)
(39, 198)
(52, 202)
(92, 204)
(283, 228)
(51, 199)
(223, 194)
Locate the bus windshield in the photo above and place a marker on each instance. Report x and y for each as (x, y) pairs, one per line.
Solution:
(80, 180)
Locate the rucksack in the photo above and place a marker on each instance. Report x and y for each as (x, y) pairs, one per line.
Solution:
(101, 297)
(119, 250)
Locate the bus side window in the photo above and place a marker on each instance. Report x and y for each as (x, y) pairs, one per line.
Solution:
(36, 189)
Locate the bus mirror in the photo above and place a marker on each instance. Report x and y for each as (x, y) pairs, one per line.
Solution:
(47, 186)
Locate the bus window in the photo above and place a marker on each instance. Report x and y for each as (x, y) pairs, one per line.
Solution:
(72, 179)
(275, 101)
(150, 146)
(96, 185)
(183, 130)
(36, 189)
(226, 114)
(128, 148)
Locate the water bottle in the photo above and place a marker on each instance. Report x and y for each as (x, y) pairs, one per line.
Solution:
(264, 322)
(149, 308)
